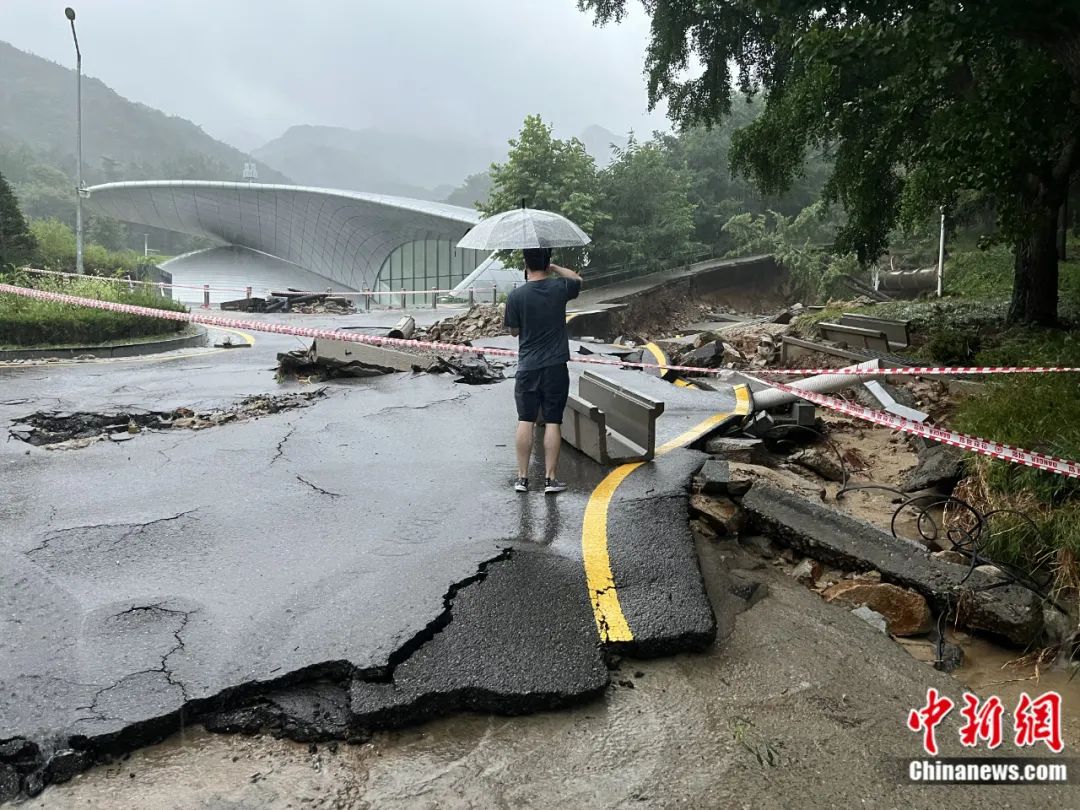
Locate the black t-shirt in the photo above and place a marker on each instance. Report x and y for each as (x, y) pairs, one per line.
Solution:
(538, 309)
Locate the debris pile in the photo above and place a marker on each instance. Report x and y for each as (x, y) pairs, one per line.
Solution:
(57, 430)
(480, 320)
(294, 301)
(470, 370)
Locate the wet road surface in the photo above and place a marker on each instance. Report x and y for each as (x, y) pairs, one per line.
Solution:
(797, 703)
(358, 563)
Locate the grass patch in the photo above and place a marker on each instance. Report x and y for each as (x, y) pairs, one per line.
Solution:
(1040, 413)
(29, 323)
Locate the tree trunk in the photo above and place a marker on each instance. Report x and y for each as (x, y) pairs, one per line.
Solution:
(1035, 281)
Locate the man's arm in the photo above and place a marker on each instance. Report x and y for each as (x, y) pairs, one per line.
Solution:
(510, 319)
(565, 272)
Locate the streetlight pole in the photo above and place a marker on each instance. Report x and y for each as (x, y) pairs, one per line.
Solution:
(941, 254)
(70, 14)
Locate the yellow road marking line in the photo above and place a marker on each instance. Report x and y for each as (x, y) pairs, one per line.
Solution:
(658, 354)
(611, 623)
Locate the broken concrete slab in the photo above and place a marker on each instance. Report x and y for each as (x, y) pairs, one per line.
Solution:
(344, 352)
(979, 602)
(744, 451)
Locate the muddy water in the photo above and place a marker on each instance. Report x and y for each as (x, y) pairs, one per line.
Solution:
(990, 669)
(802, 704)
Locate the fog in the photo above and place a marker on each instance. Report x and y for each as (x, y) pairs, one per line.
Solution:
(245, 71)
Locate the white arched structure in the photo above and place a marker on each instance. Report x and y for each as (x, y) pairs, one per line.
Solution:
(348, 237)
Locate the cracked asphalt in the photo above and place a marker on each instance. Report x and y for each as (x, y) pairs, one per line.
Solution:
(358, 563)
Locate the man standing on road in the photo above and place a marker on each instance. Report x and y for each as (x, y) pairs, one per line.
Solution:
(536, 314)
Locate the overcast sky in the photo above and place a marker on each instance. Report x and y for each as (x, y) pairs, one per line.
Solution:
(246, 70)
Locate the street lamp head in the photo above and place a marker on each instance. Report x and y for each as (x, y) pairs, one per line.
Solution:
(69, 12)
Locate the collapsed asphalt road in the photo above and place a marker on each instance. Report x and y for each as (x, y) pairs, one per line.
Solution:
(355, 564)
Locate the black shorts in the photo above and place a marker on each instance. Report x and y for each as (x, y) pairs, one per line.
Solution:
(542, 391)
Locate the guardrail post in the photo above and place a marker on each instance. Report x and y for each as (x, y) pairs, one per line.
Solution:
(403, 307)
(472, 296)
(131, 287)
(161, 288)
(434, 298)
(247, 292)
(206, 296)
(494, 294)
(367, 300)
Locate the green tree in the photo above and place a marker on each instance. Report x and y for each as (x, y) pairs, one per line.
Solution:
(55, 244)
(798, 245)
(47, 193)
(549, 174)
(917, 102)
(16, 243)
(647, 214)
(473, 193)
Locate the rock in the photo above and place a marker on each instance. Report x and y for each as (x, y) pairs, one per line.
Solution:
(868, 576)
(820, 460)
(34, 783)
(1059, 627)
(952, 657)
(951, 556)
(709, 355)
(759, 545)
(20, 753)
(906, 612)
(63, 765)
(744, 451)
(746, 588)
(721, 514)
(940, 466)
(788, 556)
(991, 571)
(703, 531)
(714, 478)
(9, 783)
(806, 572)
(872, 618)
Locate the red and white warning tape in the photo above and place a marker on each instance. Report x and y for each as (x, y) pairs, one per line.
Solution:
(972, 443)
(208, 288)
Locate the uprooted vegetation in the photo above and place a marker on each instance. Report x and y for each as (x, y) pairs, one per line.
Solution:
(58, 430)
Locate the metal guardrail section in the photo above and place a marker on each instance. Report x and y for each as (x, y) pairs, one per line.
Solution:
(793, 348)
(895, 331)
(854, 336)
(610, 423)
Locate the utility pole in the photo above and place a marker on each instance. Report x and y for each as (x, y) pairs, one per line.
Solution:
(941, 253)
(70, 14)
(146, 244)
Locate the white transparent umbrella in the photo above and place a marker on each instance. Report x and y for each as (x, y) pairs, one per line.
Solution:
(524, 228)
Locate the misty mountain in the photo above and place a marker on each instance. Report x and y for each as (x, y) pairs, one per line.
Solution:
(598, 141)
(122, 139)
(376, 161)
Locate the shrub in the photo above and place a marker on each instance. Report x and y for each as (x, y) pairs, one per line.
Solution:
(29, 322)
